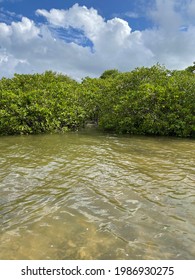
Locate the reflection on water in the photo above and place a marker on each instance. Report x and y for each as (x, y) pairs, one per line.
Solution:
(94, 196)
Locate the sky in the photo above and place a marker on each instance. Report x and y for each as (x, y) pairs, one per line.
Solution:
(85, 38)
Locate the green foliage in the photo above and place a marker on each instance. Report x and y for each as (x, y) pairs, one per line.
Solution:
(31, 104)
(148, 101)
(112, 73)
(191, 69)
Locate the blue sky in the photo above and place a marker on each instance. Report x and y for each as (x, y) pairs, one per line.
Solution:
(127, 9)
(84, 38)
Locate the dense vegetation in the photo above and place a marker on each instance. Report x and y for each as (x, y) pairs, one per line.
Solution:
(148, 101)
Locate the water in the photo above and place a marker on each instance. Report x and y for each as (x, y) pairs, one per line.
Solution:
(95, 196)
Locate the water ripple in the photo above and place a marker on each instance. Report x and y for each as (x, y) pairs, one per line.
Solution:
(97, 197)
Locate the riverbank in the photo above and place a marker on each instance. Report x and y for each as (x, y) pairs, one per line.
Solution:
(145, 101)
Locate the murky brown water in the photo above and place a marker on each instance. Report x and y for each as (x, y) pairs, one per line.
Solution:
(95, 196)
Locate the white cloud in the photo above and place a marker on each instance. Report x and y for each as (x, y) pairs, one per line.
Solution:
(24, 30)
(7, 16)
(165, 15)
(27, 47)
(132, 15)
(77, 17)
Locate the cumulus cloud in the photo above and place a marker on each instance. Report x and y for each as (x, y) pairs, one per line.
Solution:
(27, 47)
(77, 17)
(165, 15)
